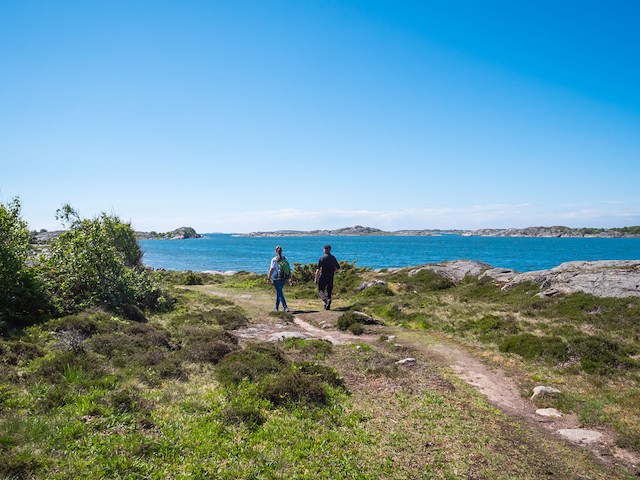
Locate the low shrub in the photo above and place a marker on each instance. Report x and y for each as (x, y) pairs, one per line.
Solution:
(252, 363)
(387, 311)
(231, 319)
(490, 327)
(207, 345)
(423, 281)
(326, 374)
(315, 347)
(377, 291)
(243, 409)
(64, 367)
(532, 347)
(294, 386)
(600, 356)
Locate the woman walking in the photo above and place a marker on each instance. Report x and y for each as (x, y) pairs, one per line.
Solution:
(279, 273)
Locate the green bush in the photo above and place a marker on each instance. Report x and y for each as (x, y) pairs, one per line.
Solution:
(207, 345)
(191, 278)
(377, 291)
(252, 364)
(98, 263)
(423, 281)
(599, 355)
(491, 327)
(532, 347)
(326, 374)
(387, 311)
(294, 386)
(314, 347)
(22, 299)
(231, 319)
(243, 409)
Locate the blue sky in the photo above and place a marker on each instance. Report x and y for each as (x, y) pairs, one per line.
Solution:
(237, 116)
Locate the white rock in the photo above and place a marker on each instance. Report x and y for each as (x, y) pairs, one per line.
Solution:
(542, 391)
(284, 335)
(548, 412)
(581, 435)
(407, 362)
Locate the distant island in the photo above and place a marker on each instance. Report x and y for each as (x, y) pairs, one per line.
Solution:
(542, 232)
(182, 233)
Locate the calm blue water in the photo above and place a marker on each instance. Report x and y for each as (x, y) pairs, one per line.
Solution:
(226, 252)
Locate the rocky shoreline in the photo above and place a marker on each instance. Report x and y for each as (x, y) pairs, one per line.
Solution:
(604, 278)
(539, 232)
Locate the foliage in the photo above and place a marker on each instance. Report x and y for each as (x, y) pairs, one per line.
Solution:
(98, 263)
(422, 281)
(532, 347)
(294, 386)
(21, 296)
(353, 322)
(252, 363)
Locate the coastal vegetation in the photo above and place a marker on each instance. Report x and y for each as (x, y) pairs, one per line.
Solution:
(109, 370)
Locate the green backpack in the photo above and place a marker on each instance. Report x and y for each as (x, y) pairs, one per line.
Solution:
(284, 268)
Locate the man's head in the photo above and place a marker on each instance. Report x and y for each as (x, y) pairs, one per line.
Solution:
(327, 248)
(279, 250)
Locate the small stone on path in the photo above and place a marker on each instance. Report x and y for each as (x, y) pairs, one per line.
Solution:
(581, 435)
(548, 412)
(407, 362)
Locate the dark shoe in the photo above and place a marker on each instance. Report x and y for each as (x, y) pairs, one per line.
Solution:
(328, 304)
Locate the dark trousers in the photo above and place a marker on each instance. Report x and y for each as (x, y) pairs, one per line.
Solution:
(325, 287)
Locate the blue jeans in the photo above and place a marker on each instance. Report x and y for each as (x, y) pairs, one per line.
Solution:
(278, 284)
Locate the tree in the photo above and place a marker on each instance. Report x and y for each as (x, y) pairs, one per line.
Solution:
(20, 293)
(98, 263)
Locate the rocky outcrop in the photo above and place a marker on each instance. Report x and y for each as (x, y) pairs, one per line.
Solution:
(455, 270)
(183, 233)
(605, 278)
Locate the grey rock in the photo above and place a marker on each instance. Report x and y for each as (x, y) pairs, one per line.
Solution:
(366, 285)
(605, 278)
(581, 435)
(456, 270)
(542, 391)
(285, 335)
(548, 412)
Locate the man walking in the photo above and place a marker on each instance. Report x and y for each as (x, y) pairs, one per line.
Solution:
(327, 266)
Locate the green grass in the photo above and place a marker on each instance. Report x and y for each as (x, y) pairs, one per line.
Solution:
(98, 396)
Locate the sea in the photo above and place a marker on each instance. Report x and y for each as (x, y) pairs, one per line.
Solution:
(227, 252)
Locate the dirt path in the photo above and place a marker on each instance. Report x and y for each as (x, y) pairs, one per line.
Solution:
(499, 389)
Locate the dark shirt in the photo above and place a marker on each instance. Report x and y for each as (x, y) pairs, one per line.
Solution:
(328, 264)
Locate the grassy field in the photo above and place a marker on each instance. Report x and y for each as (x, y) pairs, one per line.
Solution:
(182, 396)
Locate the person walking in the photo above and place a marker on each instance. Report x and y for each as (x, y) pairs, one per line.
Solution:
(327, 266)
(278, 274)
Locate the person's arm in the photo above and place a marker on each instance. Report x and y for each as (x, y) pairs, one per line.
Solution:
(318, 272)
(271, 270)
